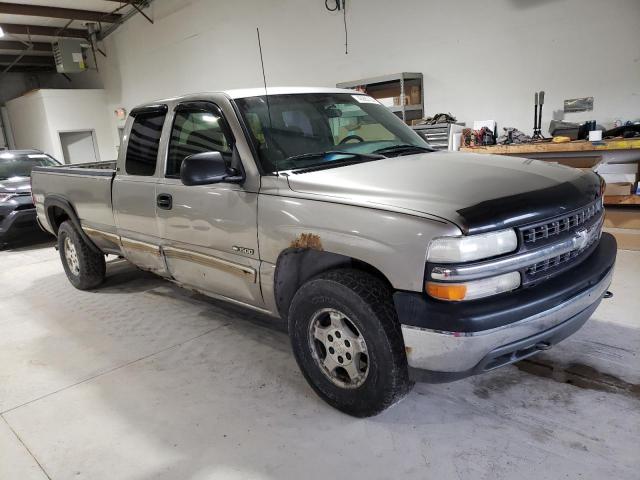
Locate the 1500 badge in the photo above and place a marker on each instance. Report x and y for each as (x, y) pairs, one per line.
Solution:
(246, 251)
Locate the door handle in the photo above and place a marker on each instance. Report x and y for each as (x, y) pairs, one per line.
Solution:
(164, 201)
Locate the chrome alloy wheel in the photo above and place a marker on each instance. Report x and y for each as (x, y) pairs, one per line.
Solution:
(71, 255)
(338, 348)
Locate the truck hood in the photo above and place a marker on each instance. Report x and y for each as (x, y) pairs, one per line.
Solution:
(15, 185)
(477, 192)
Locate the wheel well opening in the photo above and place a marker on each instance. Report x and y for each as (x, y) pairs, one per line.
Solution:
(295, 266)
(56, 216)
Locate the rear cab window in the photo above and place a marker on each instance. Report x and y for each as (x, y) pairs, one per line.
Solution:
(144, 140)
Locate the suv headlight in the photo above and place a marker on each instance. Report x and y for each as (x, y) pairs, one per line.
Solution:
(472, 247)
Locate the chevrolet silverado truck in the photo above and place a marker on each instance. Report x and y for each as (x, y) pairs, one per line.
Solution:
(391, 262)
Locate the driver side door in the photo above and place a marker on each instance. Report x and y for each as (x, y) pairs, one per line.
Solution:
(209, 232)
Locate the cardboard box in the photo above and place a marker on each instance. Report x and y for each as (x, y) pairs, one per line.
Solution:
(623, 188)
(627, 239)
(617, 168)
(397, 101)
(414, 95)
(386, 101)
(619, 177)
(619, 217)
(384, 91)
(392, 101)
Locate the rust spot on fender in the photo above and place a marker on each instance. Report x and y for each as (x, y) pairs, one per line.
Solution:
(307, 240)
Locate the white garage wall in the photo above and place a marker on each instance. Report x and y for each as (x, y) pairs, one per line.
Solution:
(29, 122)
(38, 117)
(480, 59)
(72, 110)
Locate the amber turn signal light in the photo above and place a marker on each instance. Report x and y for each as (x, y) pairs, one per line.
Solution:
(446, 291)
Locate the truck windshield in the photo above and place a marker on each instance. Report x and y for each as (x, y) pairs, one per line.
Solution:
(312, 129)
(14, 164)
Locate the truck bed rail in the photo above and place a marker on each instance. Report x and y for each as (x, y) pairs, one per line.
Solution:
(111, 164)
(96, 169)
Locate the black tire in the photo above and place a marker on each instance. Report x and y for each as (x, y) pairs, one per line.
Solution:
(367, 303)
(91, 265)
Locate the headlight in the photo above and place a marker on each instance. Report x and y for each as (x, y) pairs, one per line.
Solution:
(472, 247)
(473, 289)
(5, 197)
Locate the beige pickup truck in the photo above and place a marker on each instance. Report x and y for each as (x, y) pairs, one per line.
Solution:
(391, 262)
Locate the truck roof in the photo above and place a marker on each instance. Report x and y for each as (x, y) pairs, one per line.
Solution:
(258, 92)
(20, 152)
(254, 92)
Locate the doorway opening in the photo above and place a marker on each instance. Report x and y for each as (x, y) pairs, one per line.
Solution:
(79, 146)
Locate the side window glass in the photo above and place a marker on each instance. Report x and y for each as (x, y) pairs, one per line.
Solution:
(255, 126)
(144, 140)
(196, 131)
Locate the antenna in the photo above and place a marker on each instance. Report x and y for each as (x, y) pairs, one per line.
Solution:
(266, 94)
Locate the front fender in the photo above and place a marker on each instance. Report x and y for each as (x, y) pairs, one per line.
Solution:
(394, 243)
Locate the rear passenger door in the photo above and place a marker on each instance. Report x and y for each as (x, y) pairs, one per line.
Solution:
(209, 231)
(134, 189)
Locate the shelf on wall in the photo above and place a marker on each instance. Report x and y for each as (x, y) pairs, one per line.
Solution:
(394, 77)
(393, 85)
(408, 108)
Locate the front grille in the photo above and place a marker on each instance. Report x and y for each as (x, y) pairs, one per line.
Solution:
(588, 219)
(554, 262)
(535, 233)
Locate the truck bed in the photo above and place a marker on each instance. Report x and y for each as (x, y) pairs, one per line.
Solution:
(86, 187)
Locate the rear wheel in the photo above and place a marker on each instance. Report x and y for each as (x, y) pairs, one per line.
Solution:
(84, 267)
(347, 342)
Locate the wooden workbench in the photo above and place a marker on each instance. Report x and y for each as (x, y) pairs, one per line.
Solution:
(554, 148)
(579, 154)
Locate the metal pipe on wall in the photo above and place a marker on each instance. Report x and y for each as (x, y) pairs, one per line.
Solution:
(5, 127)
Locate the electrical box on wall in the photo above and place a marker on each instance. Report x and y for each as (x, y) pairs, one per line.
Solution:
(70, 55)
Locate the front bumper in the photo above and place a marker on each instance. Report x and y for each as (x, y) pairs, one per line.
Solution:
(14, 223)
(495, 332)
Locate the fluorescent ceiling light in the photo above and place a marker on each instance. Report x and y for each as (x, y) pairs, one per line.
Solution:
(209, 118)
(1, 32)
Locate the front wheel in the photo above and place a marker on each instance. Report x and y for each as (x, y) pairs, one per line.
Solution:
(84, 267)
(347, 341)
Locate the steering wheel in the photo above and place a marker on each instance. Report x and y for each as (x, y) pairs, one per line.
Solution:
(351, 137)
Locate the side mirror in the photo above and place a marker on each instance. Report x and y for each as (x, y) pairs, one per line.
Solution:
(207, 168)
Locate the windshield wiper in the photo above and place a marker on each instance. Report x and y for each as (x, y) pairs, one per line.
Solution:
(306, 156)
(403, 148)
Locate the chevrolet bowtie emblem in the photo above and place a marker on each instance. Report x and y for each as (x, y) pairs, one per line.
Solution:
(580, 239)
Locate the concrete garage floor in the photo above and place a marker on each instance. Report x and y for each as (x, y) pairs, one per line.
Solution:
(142, 380)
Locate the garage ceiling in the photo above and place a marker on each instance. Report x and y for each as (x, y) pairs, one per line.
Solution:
(31, 26)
